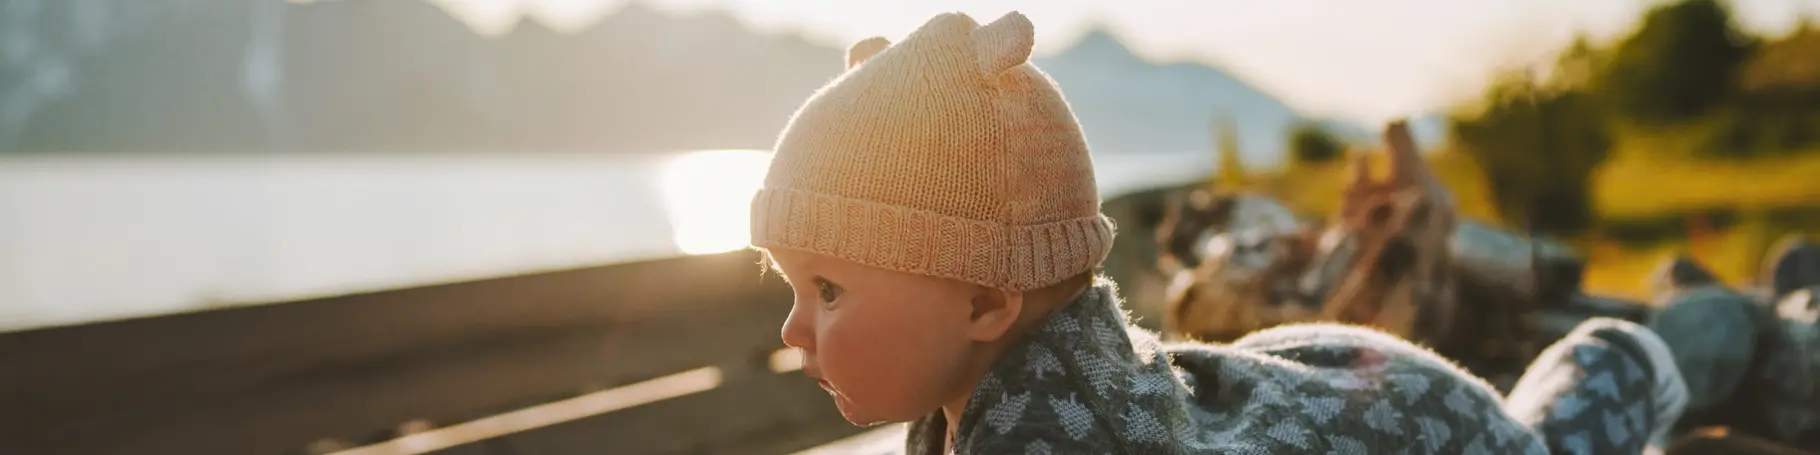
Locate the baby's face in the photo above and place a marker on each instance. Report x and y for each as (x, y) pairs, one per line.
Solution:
(889, 346)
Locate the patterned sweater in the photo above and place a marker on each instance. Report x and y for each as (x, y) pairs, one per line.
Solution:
(1088, 382)
(1751, 367)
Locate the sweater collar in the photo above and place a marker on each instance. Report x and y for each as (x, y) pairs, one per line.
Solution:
(1082, 348)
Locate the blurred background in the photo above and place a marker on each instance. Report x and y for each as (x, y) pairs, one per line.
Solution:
(170, 155)
(163, 157)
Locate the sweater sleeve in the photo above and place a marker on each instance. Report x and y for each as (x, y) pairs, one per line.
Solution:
(1788, 380)
(1296, 389)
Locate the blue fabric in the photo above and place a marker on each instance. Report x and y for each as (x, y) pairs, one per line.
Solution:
(1089, 382)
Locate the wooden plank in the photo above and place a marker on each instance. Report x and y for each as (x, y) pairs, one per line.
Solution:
(884, 440)
(547, 414)
(269, 379)
(760, 414)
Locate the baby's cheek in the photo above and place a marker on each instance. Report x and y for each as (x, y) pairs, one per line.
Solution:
(877, 366)
(860, 351)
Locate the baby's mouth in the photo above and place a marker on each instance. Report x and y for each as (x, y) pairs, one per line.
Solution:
(832, 392)
(840, 401)
(826, 386)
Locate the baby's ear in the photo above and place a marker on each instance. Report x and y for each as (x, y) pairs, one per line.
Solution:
(994, 311)
(1005, 43)
(865, 49)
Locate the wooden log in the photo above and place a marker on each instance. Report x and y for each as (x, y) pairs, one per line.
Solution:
(271, 379)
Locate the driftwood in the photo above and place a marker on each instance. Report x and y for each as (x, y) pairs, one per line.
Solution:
(1401, 279)
(1240, 287)
(1396, 258)
(1192, 220)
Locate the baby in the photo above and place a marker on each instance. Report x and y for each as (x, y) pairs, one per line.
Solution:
(935, 212)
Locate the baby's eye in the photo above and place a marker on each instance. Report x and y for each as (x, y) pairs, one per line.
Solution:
(829, 291)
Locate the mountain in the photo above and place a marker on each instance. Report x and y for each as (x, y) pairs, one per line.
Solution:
(389, 75)
(1428, 130)
(403, 75)
(1127, 104)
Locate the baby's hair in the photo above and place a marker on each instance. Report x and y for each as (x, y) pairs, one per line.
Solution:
(766, 265)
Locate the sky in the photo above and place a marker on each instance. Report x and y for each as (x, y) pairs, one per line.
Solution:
(1361, 60)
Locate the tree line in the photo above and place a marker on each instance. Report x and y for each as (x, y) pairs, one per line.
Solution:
(1687, 83)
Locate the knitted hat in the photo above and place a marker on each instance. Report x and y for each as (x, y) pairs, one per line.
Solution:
(945, 155)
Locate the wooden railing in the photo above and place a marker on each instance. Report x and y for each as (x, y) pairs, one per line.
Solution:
(666, 356)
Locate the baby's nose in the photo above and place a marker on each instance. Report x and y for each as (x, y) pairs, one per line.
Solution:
(798, 330)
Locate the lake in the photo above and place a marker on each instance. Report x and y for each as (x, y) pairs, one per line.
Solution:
(99, 237)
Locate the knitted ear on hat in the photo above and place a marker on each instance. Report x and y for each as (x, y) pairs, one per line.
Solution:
(865, 49)
(1005, 43)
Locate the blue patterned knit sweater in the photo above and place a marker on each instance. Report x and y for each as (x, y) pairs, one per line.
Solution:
(1088, 382)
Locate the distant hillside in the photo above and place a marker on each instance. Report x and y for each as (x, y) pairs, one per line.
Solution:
(402, 75)
(1125, 103)
(246, 75)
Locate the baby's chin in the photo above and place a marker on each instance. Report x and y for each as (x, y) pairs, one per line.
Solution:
(856, 415)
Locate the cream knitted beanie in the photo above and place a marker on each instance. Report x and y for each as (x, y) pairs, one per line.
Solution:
(946, 155)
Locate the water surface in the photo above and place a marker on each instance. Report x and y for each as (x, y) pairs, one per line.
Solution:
(96, 237)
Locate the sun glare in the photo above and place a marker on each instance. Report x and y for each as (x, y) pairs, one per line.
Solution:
(709, 197)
